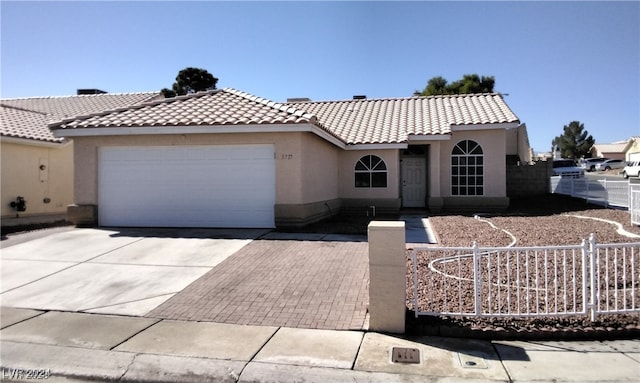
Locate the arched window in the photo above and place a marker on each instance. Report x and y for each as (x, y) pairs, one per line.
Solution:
(371, 172)
(467, 169)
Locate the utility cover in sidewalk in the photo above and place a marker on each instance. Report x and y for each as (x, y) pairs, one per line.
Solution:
(472, 361)
(405, 355)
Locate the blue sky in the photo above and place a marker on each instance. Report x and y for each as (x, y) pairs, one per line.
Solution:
(557, 61)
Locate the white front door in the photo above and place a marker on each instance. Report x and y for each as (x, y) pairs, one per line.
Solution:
(414, 182)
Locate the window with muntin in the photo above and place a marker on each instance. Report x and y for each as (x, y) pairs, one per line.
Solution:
(371, 172)
(467, 169)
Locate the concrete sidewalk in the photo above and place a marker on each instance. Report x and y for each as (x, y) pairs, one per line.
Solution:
(418, 231)
(96, 347)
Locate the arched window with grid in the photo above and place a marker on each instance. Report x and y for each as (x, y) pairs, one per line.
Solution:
(370, 172)
(467, 169)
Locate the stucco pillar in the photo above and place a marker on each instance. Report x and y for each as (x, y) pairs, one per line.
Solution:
(387, 276)
(435, 200)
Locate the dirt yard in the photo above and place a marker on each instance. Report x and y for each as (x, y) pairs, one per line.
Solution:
(556, 220)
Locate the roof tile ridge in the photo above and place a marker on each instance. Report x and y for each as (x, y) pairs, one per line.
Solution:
(154, 101)
(403, 98)
(24, 98)
(148, 103)
(151, 101)
(152, 97)
(102, 113)
(23, 109)
(351, 100)
(283, 107)
(459, 95)
(71, 96)
(84, 117)
(109, 94)
(36, 98)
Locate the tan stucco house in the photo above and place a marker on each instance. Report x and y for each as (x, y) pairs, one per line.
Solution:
(633, 149)
(226, 158)
(628, 150)
(36, 167)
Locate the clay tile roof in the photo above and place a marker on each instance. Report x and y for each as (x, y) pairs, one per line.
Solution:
(29, 117)
(616, 147)
(363, 121)
(218, 107)
(23, 123)
(374, 121)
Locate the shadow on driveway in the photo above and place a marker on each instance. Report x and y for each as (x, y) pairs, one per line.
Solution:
(178, 232)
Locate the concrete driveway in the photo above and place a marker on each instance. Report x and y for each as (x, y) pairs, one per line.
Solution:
(114, 271)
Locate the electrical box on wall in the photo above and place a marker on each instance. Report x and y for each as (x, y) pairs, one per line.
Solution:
(19, 204)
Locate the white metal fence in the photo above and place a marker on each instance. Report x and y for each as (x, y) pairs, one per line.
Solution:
(634, 203)
(602, 192)
(586, 279)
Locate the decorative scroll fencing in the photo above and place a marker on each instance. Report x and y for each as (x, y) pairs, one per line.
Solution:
(586, 279)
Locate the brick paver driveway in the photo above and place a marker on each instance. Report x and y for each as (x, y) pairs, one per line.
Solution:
(291, 283)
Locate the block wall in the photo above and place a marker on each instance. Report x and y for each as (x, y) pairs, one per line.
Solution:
(524, 180)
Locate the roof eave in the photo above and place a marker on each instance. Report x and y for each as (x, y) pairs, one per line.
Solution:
(35, 142)
(198, 129)
(487, 126)
(377, 146)
(429, 137)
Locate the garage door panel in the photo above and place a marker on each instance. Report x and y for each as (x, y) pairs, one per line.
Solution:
(190, 186)
(188, 218)
(158, 197)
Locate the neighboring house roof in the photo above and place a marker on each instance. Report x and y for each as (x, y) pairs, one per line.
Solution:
(28, 118)
(616, 147)
(375, 121)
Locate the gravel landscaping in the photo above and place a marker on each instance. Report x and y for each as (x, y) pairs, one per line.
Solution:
(550, 221)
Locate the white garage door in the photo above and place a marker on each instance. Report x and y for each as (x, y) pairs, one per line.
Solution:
(187, 186)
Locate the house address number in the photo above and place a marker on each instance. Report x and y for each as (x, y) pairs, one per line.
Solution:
(287, 156)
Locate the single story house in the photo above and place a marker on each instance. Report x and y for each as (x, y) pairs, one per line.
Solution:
(36, 167)
(628, 150)
(226, 158)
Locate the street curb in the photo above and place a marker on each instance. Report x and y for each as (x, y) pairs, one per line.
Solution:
(73, 364)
